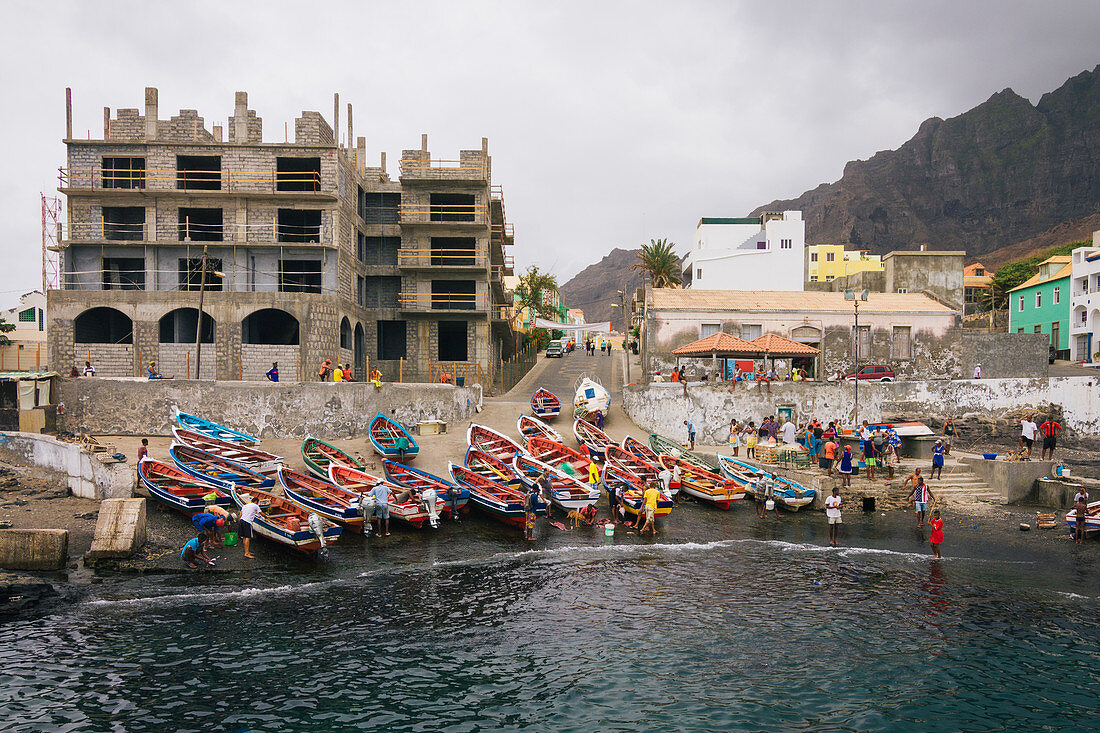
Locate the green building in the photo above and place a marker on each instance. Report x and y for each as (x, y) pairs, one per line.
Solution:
(1040, 304)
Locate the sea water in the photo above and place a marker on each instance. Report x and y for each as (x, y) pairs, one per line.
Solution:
(722, 622)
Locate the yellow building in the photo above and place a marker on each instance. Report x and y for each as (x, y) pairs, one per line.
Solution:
(830, 261)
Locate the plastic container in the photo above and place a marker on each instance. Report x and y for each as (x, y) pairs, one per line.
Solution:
(609, 530)
(769, 505)
(230, 539)
(989, 456)
(1066, 472)
(460, 381)
(1057, 470)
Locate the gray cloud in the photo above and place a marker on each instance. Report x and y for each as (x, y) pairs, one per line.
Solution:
(609, 123)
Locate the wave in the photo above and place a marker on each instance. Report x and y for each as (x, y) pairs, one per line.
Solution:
(169, 599)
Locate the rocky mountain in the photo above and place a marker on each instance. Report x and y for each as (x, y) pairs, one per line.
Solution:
(593, 289)
(997, 175)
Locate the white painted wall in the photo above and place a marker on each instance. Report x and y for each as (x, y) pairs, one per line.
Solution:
(1085, 289)
(84, 474)
(726, 256)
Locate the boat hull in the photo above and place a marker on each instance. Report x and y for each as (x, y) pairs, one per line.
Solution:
(302, 540)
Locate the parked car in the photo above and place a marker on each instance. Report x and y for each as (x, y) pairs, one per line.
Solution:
(554, 349)
(872, 373)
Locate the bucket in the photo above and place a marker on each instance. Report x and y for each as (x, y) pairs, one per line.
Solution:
(230, 539)
(868, 503)
(460, 381)
(211, 497)
(609, 530)
(1066, 472)
(769, 505)
(1057, 470)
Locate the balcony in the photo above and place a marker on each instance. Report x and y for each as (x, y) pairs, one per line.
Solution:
(463, 215)
(416, 302)
(472, 168)
(269, 234)
(140, 180)
(436, 258)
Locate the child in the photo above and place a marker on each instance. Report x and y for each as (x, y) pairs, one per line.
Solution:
(937, 458)
(193, 551)
(832, 511)
(845, 468)
(750, 440)
(936, 538)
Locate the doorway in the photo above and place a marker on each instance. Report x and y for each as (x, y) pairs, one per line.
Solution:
(452, 340)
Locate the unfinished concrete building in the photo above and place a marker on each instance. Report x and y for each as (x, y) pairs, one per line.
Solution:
(311, 253)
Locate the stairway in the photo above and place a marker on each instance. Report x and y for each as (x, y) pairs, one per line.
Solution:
(959, 483)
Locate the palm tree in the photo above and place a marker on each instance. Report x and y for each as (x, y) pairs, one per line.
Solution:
(658, 260)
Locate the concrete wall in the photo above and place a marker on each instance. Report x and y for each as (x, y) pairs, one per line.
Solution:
(1003, 354)
(663, 407)
(1014, 479)
(326, 410)
(33, 549)
(938, 273)
(84, 474)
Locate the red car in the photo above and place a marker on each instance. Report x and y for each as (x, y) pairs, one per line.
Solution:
(872, 373)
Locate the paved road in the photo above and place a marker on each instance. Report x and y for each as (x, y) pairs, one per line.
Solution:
(560, 375)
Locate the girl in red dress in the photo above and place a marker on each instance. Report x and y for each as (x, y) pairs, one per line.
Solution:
(937, 533)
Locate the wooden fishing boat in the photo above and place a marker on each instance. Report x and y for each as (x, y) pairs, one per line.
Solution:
(911, 429)
(633, 498)
(491, 467)
(706, 485)
(178, 490)
(404, 503)
(319, 455)
(590, 395)
(568, 494)
(495, 499)
(545, 404)
(413, 478)
(571, 462)
(256, 459)
(663, 446)
(334, 503)
(215, 469)
(640, 449)
(213, 429)
(1092, 521)
(626, 461)
(592, 438)
(788, 494)
(284, 522)
(494, 443)
(528, 426)
(384, 435)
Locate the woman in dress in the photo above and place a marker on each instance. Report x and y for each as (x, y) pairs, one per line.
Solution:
(750, 440)
(937, 459)
(735, 435)
(846, 466)
(936, 538)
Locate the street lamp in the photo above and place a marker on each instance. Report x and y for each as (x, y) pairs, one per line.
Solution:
(202, 293)
(864, 295)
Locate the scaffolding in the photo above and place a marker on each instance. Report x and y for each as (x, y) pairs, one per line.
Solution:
(51, 252)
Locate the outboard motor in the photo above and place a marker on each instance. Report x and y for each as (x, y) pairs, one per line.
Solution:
(367, 505)
(428, 496)
(317, 526)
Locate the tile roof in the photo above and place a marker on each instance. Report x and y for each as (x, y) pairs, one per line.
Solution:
(797, 301)
(1036, 279)
(777, 345)
(719, 343)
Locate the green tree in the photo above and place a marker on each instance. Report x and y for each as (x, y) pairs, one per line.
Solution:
(658, 260)
(537, 291)
(5, 328)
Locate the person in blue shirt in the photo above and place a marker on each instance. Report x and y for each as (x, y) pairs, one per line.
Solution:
(152, 370)
(193, 551)
(937, 459)
(207, 525)
(691, 433)
(273, 372)
(382, 509)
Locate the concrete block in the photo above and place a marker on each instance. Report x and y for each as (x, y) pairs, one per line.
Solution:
(34, 549)
(1014, 479)
(119, 530)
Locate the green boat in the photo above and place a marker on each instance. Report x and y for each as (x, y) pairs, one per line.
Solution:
(663, 446)
(319, 455)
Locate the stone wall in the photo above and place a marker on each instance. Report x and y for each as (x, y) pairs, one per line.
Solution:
(179, 360)
(663, 407)
(256, 361)
(326, 410)
(85, 474)
(109, 360)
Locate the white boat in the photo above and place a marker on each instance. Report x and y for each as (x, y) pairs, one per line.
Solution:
(590, 396)
(1092, 521)
(904, 429)
(790, 494)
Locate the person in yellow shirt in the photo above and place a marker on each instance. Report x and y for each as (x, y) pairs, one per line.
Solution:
(650, 498)
(338, 375)
(376, 379)
(593, 474)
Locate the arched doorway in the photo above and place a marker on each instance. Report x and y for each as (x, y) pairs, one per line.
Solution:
(270, 326)
(103, 326)
(179, 326)
(271, 336)
(360, 352)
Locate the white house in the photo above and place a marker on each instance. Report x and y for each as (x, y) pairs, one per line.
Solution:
(1084, 305)
(754, 253)
(27, 349)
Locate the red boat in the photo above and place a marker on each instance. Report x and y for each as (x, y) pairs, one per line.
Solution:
(405, 503)
(626, 461)
(559, 456)
(640, 449)
(592, 438)
(415, 478)
(495, 444)
(491, 467)
(258, 460)
(495, 499)
(178, 490)
(545, 404)
(705, 485)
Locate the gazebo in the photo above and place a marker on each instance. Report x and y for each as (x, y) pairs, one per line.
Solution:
(774, 345)
(720, 346)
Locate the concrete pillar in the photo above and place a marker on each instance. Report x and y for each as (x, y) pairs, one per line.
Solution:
(217, 132)
(350, 131)
(240, 117)
(485, 145)
(151, 113)
(68, 113)
(336, 117)
(424, 143)
(106, 122)
(383, 163)
(151, 221)
(361, 153)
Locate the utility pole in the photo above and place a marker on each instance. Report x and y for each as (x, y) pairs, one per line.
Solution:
(856, 297)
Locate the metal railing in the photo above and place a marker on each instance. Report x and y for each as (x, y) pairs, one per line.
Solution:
(190, 180)
(442, 301)
(407, 257)
(167, 233)
(443, 213)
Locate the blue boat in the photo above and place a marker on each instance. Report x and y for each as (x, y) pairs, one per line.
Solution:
(334, 503)
(790, 494)
(213, 429)
(284, 522)
(384, 434)
(179, 490)
(413, 478)
(498, 500)
(215, 469)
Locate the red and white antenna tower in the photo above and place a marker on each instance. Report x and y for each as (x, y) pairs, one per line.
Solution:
(51, 234)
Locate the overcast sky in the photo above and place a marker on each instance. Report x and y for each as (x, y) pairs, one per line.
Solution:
(609, 123)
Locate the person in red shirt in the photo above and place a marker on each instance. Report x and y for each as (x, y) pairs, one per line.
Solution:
(936, 538)
(1050, 430)
(144, 449)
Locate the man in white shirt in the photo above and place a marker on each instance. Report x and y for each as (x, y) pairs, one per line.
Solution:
(1028, 430)
(832, 511)
(244, 528)
(978, 372)
(789, 431)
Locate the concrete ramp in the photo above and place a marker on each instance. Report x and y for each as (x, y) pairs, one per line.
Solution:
(119, 530)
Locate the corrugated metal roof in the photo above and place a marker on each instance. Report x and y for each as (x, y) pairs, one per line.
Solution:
(719, 343)
(797, 301)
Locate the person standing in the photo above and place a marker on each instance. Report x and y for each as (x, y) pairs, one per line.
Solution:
(949, 434)
(675, 376)
(832, 511)
(1050, 429)
(978, 371)
(919, 496)
(530, 508)
(674, 482)
(402, 446)
(325, 370)
(1028, 429)
(665, 477)
(1081, 514)
(244, 527)
(272, 374)
(593, 474)
(691, 433)
(750, 440)
(937, 459)
(869, 456)
(143, 450)
(382, 508)
(818, 432)
(650, 499)
(845, 468)
(936, 538)
(735, 436)
(789, 431)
